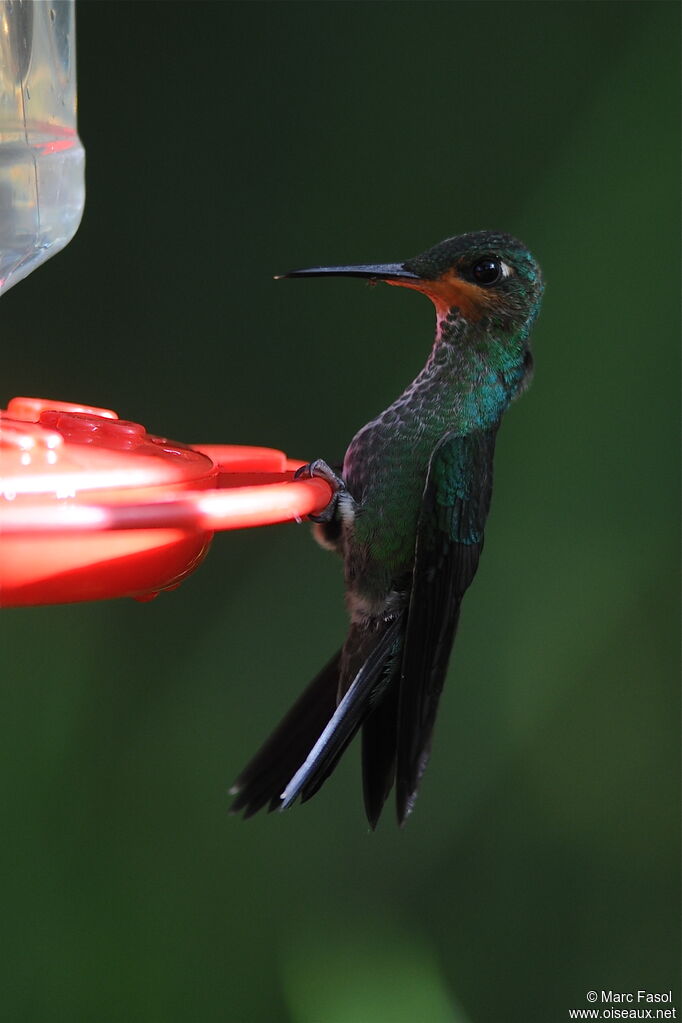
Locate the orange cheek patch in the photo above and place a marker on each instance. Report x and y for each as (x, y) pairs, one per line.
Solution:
(450, 290)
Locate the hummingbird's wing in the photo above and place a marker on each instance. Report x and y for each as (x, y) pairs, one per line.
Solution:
(448, 545)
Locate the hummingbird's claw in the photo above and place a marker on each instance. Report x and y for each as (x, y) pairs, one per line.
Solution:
(318, 467)
(328, 514)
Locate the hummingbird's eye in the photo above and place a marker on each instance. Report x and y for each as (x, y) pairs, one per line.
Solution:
(487, 271)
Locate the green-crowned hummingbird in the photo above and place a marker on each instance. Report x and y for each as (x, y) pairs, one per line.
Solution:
(407, 517)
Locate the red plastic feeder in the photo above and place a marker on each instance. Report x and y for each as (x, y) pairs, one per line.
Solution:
(92, 506)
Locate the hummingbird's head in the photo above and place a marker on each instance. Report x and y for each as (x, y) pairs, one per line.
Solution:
(483, 276)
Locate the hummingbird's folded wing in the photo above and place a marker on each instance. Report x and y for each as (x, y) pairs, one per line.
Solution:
(449, 543)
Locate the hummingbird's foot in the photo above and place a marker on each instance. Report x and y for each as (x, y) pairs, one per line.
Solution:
(319, 468)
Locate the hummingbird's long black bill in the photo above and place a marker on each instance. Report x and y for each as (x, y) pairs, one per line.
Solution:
(371, 271)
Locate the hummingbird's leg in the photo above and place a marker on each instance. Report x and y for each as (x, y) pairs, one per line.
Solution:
(319, 468)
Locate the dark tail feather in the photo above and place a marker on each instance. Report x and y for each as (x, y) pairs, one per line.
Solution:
(422, 681)
(379, 734)
(378, 650)
(264, 778)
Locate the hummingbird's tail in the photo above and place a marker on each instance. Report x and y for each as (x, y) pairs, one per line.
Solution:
(265, 777)
(307, 744)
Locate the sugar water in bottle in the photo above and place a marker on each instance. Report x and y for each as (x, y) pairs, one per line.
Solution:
(42, 188)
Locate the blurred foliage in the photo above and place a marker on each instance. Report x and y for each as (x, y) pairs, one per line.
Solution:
(379, 974)
(227, 142)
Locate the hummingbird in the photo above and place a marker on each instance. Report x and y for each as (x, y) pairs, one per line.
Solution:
(407, 516)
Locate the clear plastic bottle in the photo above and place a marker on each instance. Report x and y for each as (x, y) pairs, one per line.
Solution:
(42, 186)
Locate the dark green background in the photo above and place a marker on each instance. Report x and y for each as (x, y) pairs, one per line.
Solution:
(230, 141)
